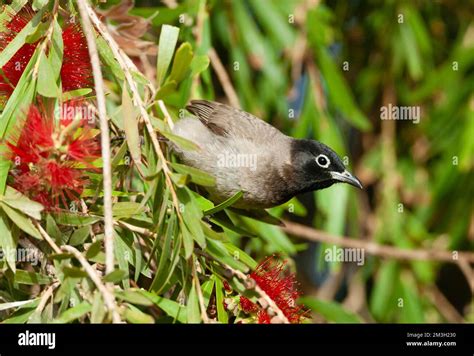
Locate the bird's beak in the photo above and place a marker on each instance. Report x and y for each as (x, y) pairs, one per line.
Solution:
(346, 177)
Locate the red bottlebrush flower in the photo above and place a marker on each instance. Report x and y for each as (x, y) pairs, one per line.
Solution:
(13, 69)
(280, 287)
(263, 317)
(227, 286)
(76, 72)
(247, 305)
(48, 157)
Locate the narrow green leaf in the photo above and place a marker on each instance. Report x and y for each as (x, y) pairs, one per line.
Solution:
(167, 43)
(136, 316)
(21, 202)
(130, 126)
(79, 236)
(7, 242)
(224, 204)
(199, 64)
(46, 78)
(222, 315)
(181, 63)
(170, 307)
(197, 176)
(116, 276)
(20, 220)
(194, 316)
(74, 313)
(31, 278)
(134, 296)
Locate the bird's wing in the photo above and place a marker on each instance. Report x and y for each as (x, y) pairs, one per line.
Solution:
(224, 120)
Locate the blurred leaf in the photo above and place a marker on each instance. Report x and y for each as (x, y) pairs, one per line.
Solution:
(130, 125)
(331, 311)
(166, 46)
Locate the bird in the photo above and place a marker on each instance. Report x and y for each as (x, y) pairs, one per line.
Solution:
(246, 154)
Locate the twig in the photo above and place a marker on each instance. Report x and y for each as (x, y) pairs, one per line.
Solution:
(202, 307)
(106, 293)
(224, 78)
(46, 237)
(444, 306)
(468, 272)
(374, 248)
(126, 64)
(168, 119)
(104, 135)
(47, 293)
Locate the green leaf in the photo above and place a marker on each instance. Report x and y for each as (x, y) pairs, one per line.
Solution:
(71, 219)
(30, 278)
(8, 242)
(331, 311)
(170, 307)
(109, 59)
(167, 43)
(194, 316)
(116, 276)
(126, 209)
(181, 63)
(46, 78)
(136, 316)
(183, 143)
(134, 296)
(192, 216)
(20, 220)
(79, 236)
(21, 303)
(383, 292)
(224, 204)
(74, 313)
(98, 309)
(199, 64)
(222, 315)
(21, 202)
(197, 176)
(130, 126)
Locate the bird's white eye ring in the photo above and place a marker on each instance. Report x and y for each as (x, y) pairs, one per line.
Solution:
(323, 161)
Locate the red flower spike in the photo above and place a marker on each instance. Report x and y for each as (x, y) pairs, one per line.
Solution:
(13, 69)
(247, 305)
(46, 159)
(263, 317)
(76, 72)
(280, 287)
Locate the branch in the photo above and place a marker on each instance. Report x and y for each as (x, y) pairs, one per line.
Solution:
(104, 136)
(375, 249)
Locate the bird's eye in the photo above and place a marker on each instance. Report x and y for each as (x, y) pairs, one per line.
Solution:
(323, 161)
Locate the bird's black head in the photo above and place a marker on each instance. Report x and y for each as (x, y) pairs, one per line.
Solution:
(316, 166)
